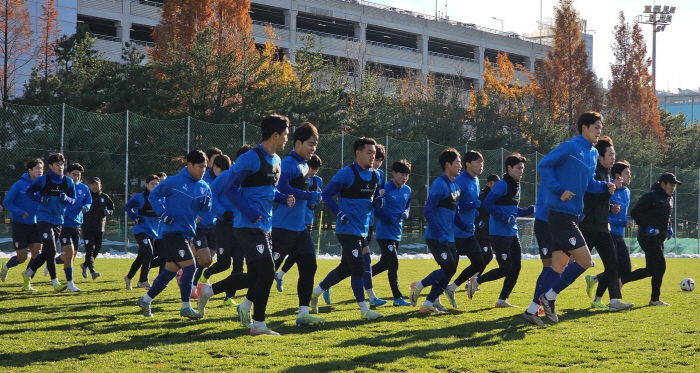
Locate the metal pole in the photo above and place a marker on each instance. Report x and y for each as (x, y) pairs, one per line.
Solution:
(188, 135)
(386, 158)
(243, 133)
(697, 227)
(342, 150)
(653, 58)
(675, 212)
(126, 183)
(427, 167)
(63, 124)
(502, 162)
(651, 174)
(536, 189)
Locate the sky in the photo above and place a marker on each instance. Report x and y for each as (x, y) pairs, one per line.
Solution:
(677, 51)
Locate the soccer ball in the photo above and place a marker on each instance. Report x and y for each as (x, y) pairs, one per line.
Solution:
(687, 284)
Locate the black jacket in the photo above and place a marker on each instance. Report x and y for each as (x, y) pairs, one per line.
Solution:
(94, 220)
(653, 210)
(483, 216)
(596, 206)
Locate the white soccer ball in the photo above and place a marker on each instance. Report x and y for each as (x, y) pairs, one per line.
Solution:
(687, 284)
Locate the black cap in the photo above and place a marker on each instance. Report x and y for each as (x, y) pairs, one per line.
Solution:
(95, 180)
(669, 178)
(493, 177)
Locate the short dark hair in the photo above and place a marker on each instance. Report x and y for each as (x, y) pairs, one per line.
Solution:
(513, 160)
(447, 156)
(315, 161)
(381, 153)
(150, 178)
(272, 124)
(588, 118)
(360, 143)
(196, 157)
(161, 175)
(493, 177)
(618, 168)
(33, 163)
(304, 132)
(213, 151)
(223, 162)
(55, 158)
(604, 142)
(73, 167)
(401, 166)
(243, 149)
(471, 156)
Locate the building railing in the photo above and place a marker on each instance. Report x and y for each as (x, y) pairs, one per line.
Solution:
(327, 35)
(149, 3)
(106, 37)
(393, 46)
(273, 25)
(143, 43)
(443, 55)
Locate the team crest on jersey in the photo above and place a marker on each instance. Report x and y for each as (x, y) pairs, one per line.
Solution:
(46, 235)
(260, 248)
(275, 256)
(87, 242)
(544, 250)
(355, 253)
(102, 199)
(221, 251)
(198, 242)
(182, 253)
(391, 247)
(486, 248)
(65, 240)
(504, 256)
(572, 241)
(184, 187)
(145, 241)
(443, 256)
(80, 192)
(201, 190)
(16, 244)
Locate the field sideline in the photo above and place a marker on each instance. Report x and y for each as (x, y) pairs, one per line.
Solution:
(102, 329)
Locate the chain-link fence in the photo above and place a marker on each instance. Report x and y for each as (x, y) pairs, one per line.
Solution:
(122, 149)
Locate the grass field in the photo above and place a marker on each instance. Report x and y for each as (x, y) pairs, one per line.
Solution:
(101, 330)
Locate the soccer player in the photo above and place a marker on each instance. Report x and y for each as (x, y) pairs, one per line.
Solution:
(441, 212)
(397, 197)
(596, 228)
(55, 192)
(465, 241)
(94, 221)
(70, 232)
(159, 257)
(146, 223)
(23, 215)
(357, 188)
(652, 213)
(289, 233)
(619, 204)
(502, 204)
(178, 200)
(482, 224)
(567, 172)
(542, 235)
(366, 253)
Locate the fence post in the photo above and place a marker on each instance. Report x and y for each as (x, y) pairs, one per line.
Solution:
(502, 161)
(675, 213)
(126, 184)
(342, 150)
(427, 168)
(243, 133)
(63, 124)
(536, 189)
(188, 135)
(386, 158)
(697, 224)
(651, 174)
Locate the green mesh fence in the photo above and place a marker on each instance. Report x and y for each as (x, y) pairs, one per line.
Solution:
(122, 149)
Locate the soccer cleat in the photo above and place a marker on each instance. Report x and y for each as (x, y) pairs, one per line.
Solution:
(263, 330)
(451, 297)
(84, 269)
(371, 315)
(376, 302)
(244, 316)
(540, 312)
(658, 303)
(95, 275)
(415, 293)
(28, 288)
(308, 320)
(532, 319)
(128, 282)
(46, 270)
(189, 313)
(590, 284)
(27, 282)
(327, 296)
(204, 291)
(3, 271)
(504, 304)
(73, 288)
(549, 309)
(438, 306)
(619, 305)
(229, 302)
(313, 303)
(144, 285)
(473, 285)
(428, 309)
(193, 293)
(598, 304)
(279, 283)
(400, 302)
(145, 307)
(59, 288)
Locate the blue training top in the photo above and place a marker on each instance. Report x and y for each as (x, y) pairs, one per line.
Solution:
(357, 188)
(139, 207)
(502, 204)
(315, 183)
(397, 207)
(219, 200)
(52, 186)
(208, 219)
(182, 198)
(18, 203)
(74, 213)
(469, 203)
(441, 210)
(294, 180)
(541, 210)
(618, 222)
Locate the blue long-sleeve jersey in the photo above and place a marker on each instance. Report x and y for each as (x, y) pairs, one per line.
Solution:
(468, 197)
(208, 219)
(315, 183)
(220, 203)
(502, 204)
(357, 188)
(294, 180)
(397, 207)
(18, 203)
(442, 210)
(380, 186)
(618, 222)
(253, 188)
(180, 197)
(541, 210)
(73, 218)
(51, 185)
(139, 207)
(570, 166)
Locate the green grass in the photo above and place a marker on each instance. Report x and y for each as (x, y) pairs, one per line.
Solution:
(101, 330)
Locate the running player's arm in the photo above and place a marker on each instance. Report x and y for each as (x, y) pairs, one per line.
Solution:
(108, 202)
(467, 202)
(384, 214)
(437, 192)
(70, 189)
(10, 198)
(618, 219)
(642, 209)
(87, 202)
(290, 170)
(407, 208)
(157, 197)
(499, 189)
(342, 179)
(134, 203)
(205, 206)
(33, 191)
(245, 165)
(217, 188)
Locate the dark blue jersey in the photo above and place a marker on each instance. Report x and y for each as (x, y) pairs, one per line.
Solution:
(502, 203)
(220, 203)
(356, 188)
(18, 203)
(618, 222)
(315, 183)
(468, 197)
(52, 186)
(541, 210)
(397, 207)
(294, 180)
(208, 219)
(73, 218)
(441, 210)
(139, 207)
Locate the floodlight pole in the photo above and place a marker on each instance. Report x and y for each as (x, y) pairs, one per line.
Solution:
(658, 24)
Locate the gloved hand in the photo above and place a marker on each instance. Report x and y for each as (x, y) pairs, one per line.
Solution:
(227, 216)
(481, 224)
(206, 201)
(167, 219)
(45, 200)
(107, 212)
(343, 218)
(316, 196)
(138, 220)
(530, 210)
(311, 206)
(670, 233)
(651, 231)
(66, 199)
(378, 203)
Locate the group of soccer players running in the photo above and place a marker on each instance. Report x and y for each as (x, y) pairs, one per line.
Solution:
(260, 210)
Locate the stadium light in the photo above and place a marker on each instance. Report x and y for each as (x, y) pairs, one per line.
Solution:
(647, 9)
(658, 17)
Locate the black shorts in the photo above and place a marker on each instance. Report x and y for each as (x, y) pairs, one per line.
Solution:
(144, 241)
(286, 242)
(544, 238)
(466, 246)
(443, 253)
(24, 235)
(226, 238)
(205, 238)
(351, 254)
(564, 230)
(47, 231)
(177, 248)
(255, 242)
(485, 244)
(70, 236)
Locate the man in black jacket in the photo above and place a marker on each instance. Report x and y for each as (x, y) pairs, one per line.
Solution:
(94, 225)
(652, 213)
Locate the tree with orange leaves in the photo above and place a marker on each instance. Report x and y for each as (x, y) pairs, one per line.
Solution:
(49, 32)
(15, 41)
(180, 22)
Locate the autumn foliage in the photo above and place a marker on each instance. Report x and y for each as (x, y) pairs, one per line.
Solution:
(49, 32)
(15, 41)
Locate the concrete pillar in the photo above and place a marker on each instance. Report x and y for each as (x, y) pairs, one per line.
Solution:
(422, 44)
(361, 31)
(529, 64)
(290, 20)
(480, 57)
(123, 27)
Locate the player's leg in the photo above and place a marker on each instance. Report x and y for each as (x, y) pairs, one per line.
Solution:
(512, 277)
